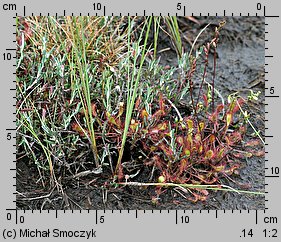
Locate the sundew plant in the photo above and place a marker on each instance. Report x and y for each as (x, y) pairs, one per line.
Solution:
(94, 101)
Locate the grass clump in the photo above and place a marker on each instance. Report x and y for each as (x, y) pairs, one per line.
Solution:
(92, 96)
(133, 81)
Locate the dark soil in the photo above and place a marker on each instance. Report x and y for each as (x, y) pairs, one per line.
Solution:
(240, 68)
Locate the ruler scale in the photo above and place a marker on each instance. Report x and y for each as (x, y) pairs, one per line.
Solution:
(140, 225)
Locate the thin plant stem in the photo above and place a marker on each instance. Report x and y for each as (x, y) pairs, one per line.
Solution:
(214, 68)
(213, 80)
(156, 34)
(194, 42)
(249, 122)
(192, 186)
(204, 74)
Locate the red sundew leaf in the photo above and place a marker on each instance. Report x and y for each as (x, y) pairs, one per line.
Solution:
(189, 123)
(160, 127)
(219, 108)
(27, 33)
(213, 117)
(121, 109)
(196, 182)
(214, 180)
(205, 98)
(202, 177)
(133, 52)
(134, 124)
(198, 137)
(158, 114)
(196, 146)
(240, 101)
(209, 154)
(219, 168)
(202, 196)
(137, 104)
(111, 119)
(233, 138)
(144, 114)
(166, 133)
(94, 109)
(197, 197)
(231, 106)
(201, 126)
(206, 180)
(193, 199)
(227, 141)
(231, 169)
(236, 137)
(258, 153)
(188, 141)
(19, 40)
(254, 142)
(179, 140)
(186, 152)
(228, 119)
(200, 149)
(242, 155)
(76, 127)
(220, 153)
(204, 192)
(167, 150)
(212, 138)
(183, 165)
(161, 102)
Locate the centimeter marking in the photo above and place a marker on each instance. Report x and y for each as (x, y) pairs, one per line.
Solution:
(136, 213)
(103, 12)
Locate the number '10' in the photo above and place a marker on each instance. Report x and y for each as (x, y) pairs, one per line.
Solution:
(97, 6)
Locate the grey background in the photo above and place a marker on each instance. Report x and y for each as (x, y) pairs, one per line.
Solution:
(149, 226)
